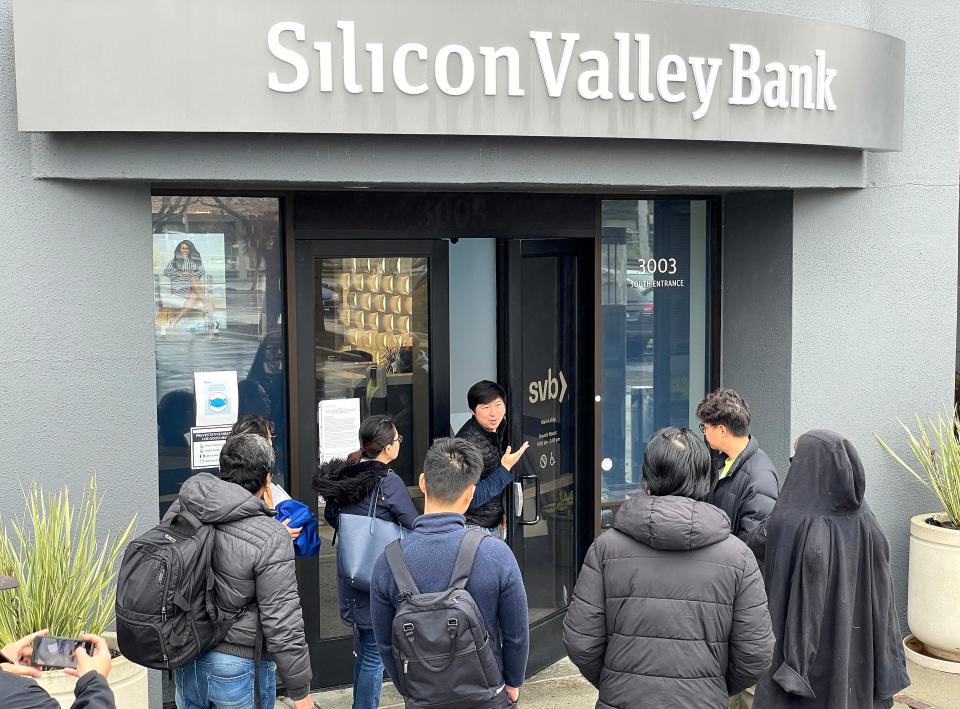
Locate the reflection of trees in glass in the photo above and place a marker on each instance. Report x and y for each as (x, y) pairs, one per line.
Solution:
(251, 224)
(636, 217)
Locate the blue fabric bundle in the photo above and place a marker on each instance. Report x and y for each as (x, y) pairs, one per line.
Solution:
(308, 543)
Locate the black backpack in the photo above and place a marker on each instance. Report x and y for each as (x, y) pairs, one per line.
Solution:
(165, 611)
(440, 644)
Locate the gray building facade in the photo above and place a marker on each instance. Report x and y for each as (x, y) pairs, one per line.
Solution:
(832, 287)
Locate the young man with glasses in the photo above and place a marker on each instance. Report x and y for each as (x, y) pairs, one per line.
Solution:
(747, 486)
(747, 483)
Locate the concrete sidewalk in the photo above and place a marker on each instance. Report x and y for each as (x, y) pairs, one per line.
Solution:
(560, 685)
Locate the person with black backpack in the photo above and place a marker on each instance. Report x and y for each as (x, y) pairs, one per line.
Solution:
(222, 571)
(448, 604)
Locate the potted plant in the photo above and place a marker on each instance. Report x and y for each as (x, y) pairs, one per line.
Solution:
(933, 603)
(67, 578)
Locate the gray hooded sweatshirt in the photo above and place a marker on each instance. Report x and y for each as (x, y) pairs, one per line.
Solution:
(253, 566)
(669, 609)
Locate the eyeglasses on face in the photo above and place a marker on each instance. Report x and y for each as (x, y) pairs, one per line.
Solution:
(703, 428)
(398, 439)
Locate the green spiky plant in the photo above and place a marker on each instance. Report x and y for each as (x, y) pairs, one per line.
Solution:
(936, 447)
(67, 575)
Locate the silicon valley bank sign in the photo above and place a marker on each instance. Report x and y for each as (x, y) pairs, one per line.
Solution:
(797, 86)
(611, 69)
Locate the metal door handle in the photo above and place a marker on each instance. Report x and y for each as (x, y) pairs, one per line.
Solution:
(518, 499)
(536, 499)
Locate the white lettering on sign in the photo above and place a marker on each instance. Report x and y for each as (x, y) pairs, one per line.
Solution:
(746, 71)
(675, 78)
(551, 388)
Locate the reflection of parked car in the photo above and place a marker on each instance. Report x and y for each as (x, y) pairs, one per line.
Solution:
(639, 328)
(330, 299)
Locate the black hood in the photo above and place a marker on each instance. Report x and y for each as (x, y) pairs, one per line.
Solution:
(826, 476)
(827, 571)
(345, 484)
(671, 522)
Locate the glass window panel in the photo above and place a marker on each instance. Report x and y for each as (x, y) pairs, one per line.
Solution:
(654, 327)
(217, 264)
(373, 344)
(549, 344)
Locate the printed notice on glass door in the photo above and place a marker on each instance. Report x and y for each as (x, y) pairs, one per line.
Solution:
(205, 445)
(339, 425)
(217, 399)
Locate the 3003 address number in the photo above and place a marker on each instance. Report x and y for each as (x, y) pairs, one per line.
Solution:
(653, 266)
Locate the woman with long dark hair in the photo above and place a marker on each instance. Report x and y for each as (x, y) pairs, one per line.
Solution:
(348, 487)
(186, 273)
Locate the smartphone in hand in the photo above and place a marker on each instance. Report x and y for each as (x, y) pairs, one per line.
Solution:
(54, 652)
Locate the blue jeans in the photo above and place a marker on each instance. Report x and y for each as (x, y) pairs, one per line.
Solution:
(367, 670)
(223, 681)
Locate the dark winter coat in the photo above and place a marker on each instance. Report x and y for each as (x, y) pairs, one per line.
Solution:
(253, 568)
(491, 445)
(91, 692)
(348, 489)
(831, 593)
(748, 492)
(669, 609)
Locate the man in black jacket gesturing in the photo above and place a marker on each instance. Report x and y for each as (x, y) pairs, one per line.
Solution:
(747, 486)
(487, 431)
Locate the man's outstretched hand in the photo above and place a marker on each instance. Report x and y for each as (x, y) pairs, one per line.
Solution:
(510, 458)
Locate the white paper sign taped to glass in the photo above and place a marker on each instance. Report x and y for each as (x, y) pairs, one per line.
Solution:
(339, 426)
(217, 399)
(205, 445)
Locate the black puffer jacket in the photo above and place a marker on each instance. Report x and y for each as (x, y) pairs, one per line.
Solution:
(748, 492)
(253, 567)
(91, 691)
(669, 609)
(491, 445)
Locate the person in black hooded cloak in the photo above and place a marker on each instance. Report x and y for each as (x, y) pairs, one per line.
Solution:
(829, 587)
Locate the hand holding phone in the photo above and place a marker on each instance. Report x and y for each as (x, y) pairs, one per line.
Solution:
(55, 652)
(17, 655)
(98, 659)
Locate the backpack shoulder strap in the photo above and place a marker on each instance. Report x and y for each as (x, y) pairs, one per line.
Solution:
(401, 572)
(468, 552)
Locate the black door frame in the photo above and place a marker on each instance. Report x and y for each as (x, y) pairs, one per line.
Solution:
(332, 660)
(546, 646)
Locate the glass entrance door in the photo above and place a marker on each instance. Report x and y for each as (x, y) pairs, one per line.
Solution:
(549, 350)
(371, 338)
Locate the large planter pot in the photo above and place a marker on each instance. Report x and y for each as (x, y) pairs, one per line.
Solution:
(127, 680)
(933, 605)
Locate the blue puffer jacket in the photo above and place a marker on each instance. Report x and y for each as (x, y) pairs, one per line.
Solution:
(348, 489)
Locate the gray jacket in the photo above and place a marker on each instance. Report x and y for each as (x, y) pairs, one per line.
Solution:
(254, 568)
(669, 609)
